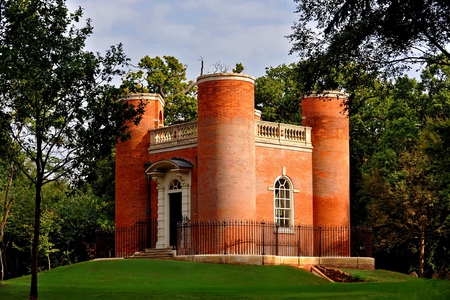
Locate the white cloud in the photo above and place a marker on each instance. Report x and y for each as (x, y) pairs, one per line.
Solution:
(235, 10)
(251, 32)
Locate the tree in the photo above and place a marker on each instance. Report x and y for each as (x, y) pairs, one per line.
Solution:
(6, 180)
(62, 110)
(406, 207)
(392, 36)
(7, 200)
(69, 219)
(167, 77)
(398, 137)
(435, 142)
(18, 234)
(277, 95)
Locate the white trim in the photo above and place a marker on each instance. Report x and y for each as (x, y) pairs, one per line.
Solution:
(291, 199)
(165, 148)
(296, 147)
(164, 205)
(304, 148)
(225, 76)
(144, 96)
(327, 94)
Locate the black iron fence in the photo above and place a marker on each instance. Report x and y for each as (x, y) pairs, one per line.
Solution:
(361, 241)
(268, 238)
(125, 241)
(242, 238)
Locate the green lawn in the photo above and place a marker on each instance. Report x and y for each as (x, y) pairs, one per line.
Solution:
(154, 279)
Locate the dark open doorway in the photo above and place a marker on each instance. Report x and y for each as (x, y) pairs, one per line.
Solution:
(175, 215)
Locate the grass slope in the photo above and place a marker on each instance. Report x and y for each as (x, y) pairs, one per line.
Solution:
(153, 279)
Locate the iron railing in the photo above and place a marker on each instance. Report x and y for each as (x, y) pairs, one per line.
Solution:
(240, 237)
(125, 241)
(268, 238)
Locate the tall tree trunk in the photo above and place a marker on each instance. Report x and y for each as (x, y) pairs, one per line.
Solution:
(422, 254)
(35, 245)
(38, 183)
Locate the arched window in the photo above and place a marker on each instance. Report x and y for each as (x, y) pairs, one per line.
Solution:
(283, 202)
(175, 184)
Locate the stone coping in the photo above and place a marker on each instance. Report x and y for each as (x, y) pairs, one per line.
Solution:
(225, 76)
(327, 94)
(366, 263)
(143, 96)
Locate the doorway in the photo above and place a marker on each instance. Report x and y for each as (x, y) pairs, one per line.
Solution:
(175, 215)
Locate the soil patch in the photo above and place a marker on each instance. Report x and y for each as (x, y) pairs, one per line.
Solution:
(337, 275)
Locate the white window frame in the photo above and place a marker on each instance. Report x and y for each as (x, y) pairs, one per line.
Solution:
(283, 201)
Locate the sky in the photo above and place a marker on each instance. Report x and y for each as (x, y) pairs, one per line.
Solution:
(225, 32)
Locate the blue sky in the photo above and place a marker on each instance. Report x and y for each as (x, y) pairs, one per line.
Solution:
(226, 31)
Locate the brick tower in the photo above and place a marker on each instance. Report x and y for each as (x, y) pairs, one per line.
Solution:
(131, 155)
(331, 157)
(226, 147)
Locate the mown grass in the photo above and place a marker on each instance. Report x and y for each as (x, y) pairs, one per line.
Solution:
(153, 279)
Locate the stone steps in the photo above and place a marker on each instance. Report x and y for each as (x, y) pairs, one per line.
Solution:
(153, 254)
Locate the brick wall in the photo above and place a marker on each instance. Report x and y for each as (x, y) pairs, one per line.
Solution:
(297, 165)
(226, 143)
(331, 161)
(131, 184)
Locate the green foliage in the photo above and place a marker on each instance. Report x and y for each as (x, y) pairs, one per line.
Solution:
(391, 36)
(239, 68)
(63, 111)
(100, 183)
(165, 76)
(399, 168)
(277, 95)
(435, 140)
(68, 222)
(406, 206)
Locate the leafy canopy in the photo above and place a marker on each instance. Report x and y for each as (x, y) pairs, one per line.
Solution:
(387, 35)
(399, 166)
(277, 95)
(165, 76)
(61, 109)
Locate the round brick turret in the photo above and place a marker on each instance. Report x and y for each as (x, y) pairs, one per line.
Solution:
(331, 157)
(131, 155)
(226, 147)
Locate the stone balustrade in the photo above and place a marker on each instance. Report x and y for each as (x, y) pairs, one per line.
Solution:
(282, 134)
(182, 135)
(268, 133)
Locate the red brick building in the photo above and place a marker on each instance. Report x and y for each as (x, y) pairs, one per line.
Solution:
(230, 165)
